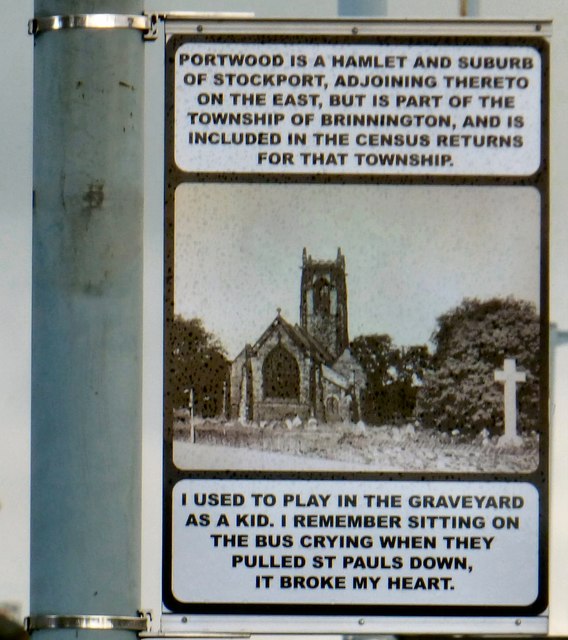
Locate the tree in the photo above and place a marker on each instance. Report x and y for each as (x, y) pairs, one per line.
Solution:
(471, 342)
(196, 361)
(392, 377)
(411, 365)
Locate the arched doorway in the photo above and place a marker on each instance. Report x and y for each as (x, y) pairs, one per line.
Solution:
(332, 408)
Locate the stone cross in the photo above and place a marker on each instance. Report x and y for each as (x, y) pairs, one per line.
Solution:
(509, 376)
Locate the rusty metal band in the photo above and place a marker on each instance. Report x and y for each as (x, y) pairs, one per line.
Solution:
(87, 622)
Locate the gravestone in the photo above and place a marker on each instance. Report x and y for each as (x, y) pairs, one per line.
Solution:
(510, 377)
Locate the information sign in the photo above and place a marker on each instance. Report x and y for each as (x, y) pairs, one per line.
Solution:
(358, 108)
(356, 543)
(356, 325)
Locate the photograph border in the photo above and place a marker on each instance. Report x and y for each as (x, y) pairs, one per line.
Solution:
(539, 478)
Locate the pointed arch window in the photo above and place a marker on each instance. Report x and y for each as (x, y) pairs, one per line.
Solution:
(322, 296)
(281, 375)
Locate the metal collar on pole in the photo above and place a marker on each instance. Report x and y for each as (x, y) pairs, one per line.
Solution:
(90, 623)
(145, 23)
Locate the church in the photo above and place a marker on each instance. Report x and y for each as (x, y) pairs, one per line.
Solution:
(304, 370)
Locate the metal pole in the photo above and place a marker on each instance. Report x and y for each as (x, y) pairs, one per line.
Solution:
(362, 8)
(557, 338)
(87, 318)
(469, 8)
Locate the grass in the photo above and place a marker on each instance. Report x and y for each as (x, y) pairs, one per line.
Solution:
(385, 448)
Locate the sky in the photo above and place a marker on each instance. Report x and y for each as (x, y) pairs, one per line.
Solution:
(412, 252)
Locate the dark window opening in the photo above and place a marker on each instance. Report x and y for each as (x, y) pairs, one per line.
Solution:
(322, 296)
(281, 375)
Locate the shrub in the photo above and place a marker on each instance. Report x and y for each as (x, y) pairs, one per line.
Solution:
(471, 343)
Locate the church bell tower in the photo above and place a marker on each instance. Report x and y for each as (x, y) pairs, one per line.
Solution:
(323, 302)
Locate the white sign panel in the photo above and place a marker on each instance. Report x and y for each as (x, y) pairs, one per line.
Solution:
(424, 543)
(357, 109)
(356, 312)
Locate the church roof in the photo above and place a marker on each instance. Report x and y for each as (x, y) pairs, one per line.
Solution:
(313, 344)
(299, 336)
(337, 378)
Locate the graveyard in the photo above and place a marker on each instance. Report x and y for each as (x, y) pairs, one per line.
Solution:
(471, 406)
(410, 447)
(413, 445)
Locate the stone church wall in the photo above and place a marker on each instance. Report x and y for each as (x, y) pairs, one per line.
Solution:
(280, 408)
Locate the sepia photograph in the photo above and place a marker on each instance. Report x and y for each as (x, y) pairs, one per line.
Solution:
(344, 327)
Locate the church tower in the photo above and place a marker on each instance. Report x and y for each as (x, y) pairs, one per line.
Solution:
(323, 302)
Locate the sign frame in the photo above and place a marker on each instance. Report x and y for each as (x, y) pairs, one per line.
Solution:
(345, 31)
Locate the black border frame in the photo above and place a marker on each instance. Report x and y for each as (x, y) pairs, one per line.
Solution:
(539, 478)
